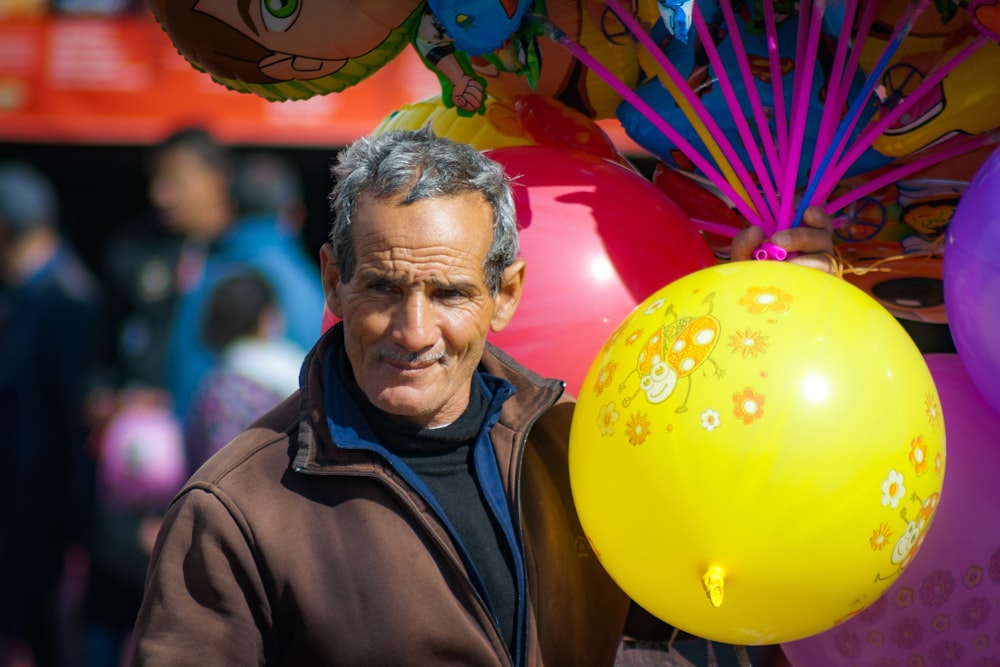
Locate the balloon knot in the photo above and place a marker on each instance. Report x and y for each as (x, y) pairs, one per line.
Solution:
(713, 581)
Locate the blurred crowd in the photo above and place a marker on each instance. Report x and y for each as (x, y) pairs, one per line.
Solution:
(118, 378)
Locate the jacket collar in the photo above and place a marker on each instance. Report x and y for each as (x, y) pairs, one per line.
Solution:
(315, 450)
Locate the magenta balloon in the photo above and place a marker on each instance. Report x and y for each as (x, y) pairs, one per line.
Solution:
(944, 609)
(598, 239)
(142, 462)
(971, 276)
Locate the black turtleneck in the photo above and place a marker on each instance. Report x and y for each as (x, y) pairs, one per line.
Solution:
(442, 458)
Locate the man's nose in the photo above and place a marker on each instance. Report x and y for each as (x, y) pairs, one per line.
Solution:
(415, 328)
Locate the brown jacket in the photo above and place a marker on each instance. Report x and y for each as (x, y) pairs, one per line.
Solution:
(286, 550)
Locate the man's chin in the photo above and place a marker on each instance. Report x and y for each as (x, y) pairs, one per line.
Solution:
(403, 404)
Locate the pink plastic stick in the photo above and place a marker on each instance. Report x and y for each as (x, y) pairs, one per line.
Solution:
(696, 104)
(950, 150)
(778, 93)
(839, 76)
(800, 108)
(854, 61)
(768, 209)
(768, 250)
(875, 129)
(653, 117)
(715, 227)
(760, 116)
(827, 180)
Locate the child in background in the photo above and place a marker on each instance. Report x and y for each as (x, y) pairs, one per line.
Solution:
(257, 366)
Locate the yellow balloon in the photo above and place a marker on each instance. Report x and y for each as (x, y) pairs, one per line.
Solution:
(498, 127)
(757, 452)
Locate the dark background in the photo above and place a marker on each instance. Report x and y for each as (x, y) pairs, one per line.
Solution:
(103, 187)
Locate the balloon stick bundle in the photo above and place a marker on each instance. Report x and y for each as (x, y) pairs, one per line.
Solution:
(759, 174)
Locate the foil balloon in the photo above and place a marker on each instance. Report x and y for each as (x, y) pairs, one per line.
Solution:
(598, 238)
(964, 102)
(757, 452)
(943, 609)
(689, 59)
(288, 50)
(479, 26)
(985, 15)
(453, 38)
(533, 119)
(972, 279)
(296, 50)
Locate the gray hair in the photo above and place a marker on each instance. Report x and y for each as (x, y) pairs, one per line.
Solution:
(414, 165)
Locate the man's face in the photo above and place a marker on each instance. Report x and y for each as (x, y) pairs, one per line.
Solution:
(417, 310)
(190, 194)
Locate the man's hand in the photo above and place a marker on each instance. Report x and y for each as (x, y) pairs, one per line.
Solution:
(809, 244)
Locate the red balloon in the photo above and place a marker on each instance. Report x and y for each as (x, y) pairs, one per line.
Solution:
(598, 239)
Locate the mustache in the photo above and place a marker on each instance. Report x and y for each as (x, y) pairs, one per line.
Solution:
(412, 357)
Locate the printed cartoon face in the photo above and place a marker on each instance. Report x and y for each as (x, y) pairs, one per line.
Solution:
(308, 39)
(659, 383)
(479, 27)
(266, 41)
(908, 543)
(673, 352)
(930, 216)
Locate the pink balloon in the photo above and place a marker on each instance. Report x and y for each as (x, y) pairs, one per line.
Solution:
(944, 609)
(598, 239)
(142, 462)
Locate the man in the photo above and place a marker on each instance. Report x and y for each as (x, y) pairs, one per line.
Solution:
(411, 504)
(51, 315)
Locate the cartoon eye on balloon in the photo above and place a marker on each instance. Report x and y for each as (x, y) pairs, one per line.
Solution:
(287, 50)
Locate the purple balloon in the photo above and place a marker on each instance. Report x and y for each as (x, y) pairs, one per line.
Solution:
(944, 609)
(971, 277)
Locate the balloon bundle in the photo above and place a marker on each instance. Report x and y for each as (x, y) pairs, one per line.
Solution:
(760, 174)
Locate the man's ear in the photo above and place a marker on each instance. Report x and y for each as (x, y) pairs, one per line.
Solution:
(508, 296)
(330, 273)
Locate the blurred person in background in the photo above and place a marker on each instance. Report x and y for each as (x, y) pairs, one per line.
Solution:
(159, 259)
(162, 256)
(52, 310)
(265, 236)
(257, 367)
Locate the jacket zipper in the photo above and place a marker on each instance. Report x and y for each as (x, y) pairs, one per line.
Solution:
(519, 454)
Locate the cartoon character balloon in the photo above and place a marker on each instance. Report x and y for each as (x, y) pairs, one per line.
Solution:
(690, 60)
(757, 452)
(295, 50)
(288, 50)
(964, 102)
